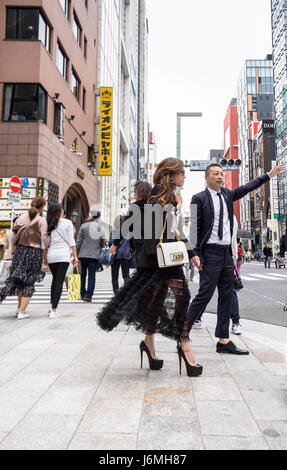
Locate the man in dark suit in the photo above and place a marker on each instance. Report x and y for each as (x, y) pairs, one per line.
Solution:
(213, 249)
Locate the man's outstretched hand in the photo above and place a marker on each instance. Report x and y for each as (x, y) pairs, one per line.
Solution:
(277, 170)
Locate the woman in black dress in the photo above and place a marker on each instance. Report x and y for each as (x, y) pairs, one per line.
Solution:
(156, 300)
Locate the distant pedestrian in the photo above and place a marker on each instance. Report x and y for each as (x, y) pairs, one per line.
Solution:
(267, 252)
(121, 249)
(5, 264)
(8, 242)
(277, 255)
(90, 241)
(283, 246)
(247, 255)
(142, 191)
(239, 255)
(235, 316)
(62, 244)
(29, 236)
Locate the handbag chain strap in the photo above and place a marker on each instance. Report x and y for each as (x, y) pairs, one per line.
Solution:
(63, 238)
(163, 230)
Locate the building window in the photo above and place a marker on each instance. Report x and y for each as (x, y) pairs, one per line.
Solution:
(44, 32)
(77, 30)
(75, 84)
(62, 61)
(65, 6)
(24, 102)
(28, 24)
(59, 120)
(85, 47)
(84, 100)
(86, 4)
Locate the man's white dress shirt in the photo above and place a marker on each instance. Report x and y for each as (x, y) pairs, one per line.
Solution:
(214, 238)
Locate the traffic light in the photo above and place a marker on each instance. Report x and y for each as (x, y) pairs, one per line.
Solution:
(230, 163)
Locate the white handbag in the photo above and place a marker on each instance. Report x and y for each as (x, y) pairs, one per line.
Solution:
(173, 253)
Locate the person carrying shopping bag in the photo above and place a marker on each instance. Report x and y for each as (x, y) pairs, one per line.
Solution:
(62, 244)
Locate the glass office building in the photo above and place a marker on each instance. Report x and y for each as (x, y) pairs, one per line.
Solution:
(279, 44)
(255, 103)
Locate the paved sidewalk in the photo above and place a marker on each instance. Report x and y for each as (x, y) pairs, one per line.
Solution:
(65, 384)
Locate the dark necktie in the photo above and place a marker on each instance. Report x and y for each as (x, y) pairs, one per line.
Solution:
(220, 226)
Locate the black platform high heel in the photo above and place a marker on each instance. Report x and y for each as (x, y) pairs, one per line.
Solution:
(154, 364)
(192, 371)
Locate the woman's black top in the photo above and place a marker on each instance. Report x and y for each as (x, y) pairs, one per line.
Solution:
(148, 258)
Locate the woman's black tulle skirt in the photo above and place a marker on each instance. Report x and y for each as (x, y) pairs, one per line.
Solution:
(154, 301)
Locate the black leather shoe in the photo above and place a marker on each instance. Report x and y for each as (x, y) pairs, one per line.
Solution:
(88, 299)
(230, 348)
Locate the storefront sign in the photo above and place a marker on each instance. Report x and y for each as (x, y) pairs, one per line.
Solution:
(124, 194)
(106, 132)
(268, 127)
(14, 199)
(5, 224)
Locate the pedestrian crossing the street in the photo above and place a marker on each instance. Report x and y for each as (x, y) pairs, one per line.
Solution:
(103, 290)
(102, 294)
(253, 277)
(270, 277)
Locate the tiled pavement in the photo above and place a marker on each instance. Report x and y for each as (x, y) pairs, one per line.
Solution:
(65, 384)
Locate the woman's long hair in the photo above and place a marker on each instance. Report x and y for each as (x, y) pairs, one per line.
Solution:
(53, 216)
(37, 203)
(164, 176)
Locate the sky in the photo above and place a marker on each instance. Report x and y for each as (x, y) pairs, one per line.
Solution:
(196, 53)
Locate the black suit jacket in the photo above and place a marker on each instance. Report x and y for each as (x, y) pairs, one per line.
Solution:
(205, 210)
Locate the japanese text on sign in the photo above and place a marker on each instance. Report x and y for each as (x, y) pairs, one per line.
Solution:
(106, 132)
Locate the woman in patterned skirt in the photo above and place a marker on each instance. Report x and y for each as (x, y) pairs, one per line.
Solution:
(28, 240)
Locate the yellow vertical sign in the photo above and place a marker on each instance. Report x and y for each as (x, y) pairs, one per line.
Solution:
(106, 131)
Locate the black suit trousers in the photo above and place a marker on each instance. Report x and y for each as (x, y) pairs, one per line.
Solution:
(218, 271)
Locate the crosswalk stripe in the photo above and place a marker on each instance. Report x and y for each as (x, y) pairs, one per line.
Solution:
(262, 276)
(247, 278)
(284, 276)
(102, 294)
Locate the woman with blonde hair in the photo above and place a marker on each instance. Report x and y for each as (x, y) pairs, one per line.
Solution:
(155, 300)
(28, 240)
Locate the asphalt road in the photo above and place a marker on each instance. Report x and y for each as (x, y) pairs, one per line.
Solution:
(264, 294)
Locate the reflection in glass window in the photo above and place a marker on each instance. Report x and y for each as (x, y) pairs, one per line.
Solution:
(24, 102)
(59, 120)
(85, 47)
(27, 24)
(65, 6)
(44, 32)
(62, 61)
(84, 100)
(77, 30)
(75, 84)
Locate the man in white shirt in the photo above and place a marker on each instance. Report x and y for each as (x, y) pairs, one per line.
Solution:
(214, 256)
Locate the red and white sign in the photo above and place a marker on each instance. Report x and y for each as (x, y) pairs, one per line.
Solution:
(15, 184)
